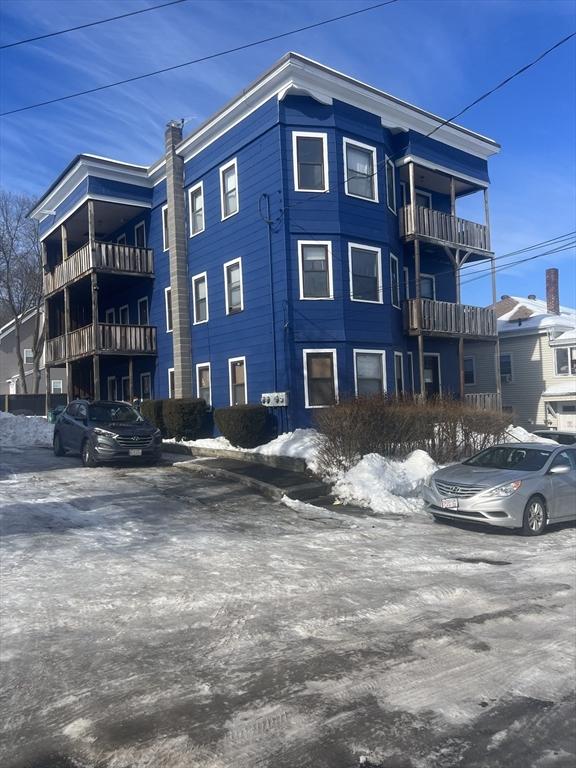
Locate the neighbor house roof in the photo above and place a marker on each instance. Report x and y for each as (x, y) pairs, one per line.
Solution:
(532, 316)
(11, 324)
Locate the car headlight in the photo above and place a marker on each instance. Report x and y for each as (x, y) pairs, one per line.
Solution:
(502, 491)
(104, 432)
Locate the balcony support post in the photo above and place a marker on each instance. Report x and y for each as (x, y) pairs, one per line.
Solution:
(95, 339)
(131, 378)
(487, 218)
(64, 239)
(452, 196)
(419, 309)
(497, 345)
(91, 227)
(412, 209)
(66, 343)
(48, 388)
(96, 375)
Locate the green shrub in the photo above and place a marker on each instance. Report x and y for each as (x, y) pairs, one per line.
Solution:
(185, 418)
(245, 426)
(152, 410)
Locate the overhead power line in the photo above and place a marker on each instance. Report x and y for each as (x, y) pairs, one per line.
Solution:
(89, 24)
(209, 57)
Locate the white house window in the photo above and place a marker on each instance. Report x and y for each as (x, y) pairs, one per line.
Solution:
(196, 208)
(399, 372)
(56, 386)
(110, 316)
(237, 375)
(469, 371)
(121, 239)
(126, 389)
(28, 357)
(111, 382)
(165, 237)
(369, 370)
(140, 235)
(203, 382)
(310, 151)
(365, 273)
(360, 170)
(506, 368)
(168, 303)
(200, 298)
(565, 361)
(233, 283)
(391, 185)
(143, 314)
(171, 384)
(394, 281)
(124, 315)
(423, 199)
(320, 378)
(145, 386)
(427, 286)
(229, 189)
(315, 268)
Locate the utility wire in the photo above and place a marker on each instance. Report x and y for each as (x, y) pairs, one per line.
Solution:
(90, 24)
(199, 60)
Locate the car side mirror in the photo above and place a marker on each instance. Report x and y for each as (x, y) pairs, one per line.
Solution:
(561, 469)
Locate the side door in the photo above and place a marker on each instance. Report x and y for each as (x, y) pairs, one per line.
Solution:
(562, 504)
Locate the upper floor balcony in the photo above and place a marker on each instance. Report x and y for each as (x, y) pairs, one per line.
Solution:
(108, 257)
(425, 223)
(446, 319)
(102, 339)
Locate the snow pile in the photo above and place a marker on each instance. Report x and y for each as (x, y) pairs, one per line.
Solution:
(25, 431)
(522, 436)
(386, 485)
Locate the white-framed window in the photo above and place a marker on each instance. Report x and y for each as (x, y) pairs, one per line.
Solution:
(427, 286)
(165, 231)
(237, 380)
(121, 239)
(469, 371)
(391, 185)
(320, 378)
(126, 389)
(28, 357)
(394, 281)
(110, 316)
(506, 370)
(143, 311)
(204, 382)
(369, 372)
(411, 369)
(365, 267)
(196, 208)
(171, 384)
(233, 286)
(565, 361)
(56, 386)
(315, 269)
(229, 189)
(406, 283)
(200, 298)
(399, 372)
(168, 305)
(140, 235)
(310, 157)
(111, 387)
(360, 170)
(145, 386)
(124, 315)
(423, 199)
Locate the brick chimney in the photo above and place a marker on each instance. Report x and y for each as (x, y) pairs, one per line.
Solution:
(552, 298)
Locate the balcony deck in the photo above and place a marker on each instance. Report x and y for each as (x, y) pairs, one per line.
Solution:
(438, 227)
(110, 340)
(444, 318)
(106, 257)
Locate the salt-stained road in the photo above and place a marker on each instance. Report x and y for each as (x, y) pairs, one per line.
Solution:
(156, 619)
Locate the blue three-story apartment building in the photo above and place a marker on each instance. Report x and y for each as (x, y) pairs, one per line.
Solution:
(303, 242)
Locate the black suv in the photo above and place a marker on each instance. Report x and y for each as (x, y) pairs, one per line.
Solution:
(104, 431)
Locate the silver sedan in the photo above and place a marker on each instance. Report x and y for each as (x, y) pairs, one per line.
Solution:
(524, 485)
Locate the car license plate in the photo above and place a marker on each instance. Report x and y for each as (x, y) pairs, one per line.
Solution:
(135, 452)
(449, 503)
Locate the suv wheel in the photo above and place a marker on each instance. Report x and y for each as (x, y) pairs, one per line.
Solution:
(57, 445)
(535, 517)
(87, 454)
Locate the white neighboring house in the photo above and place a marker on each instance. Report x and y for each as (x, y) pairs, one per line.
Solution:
(10, 383)
(537, 361)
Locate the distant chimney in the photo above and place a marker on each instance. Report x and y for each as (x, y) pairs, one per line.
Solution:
(552, 299)
(532, 296)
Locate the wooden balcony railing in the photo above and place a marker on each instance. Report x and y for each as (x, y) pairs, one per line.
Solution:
(417, 221)
(103, 256)
(444, 318)
(486, 401)
(110, 340)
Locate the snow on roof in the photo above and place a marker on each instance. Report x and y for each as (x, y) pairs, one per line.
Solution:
(567, 337)
(539, 320)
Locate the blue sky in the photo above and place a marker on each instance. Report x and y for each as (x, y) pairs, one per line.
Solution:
(438, 54)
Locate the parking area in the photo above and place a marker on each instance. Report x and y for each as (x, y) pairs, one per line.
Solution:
(156, 618)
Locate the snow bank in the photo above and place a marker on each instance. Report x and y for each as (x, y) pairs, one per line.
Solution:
(25, 431)
(386, 485)
(520, 434)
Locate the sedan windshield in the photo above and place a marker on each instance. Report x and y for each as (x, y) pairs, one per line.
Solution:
(113, 413)
(509, 457)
